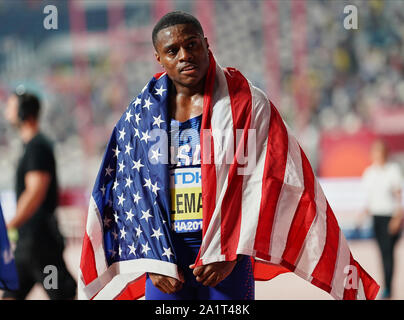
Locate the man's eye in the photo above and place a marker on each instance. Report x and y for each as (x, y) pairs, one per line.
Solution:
(171, 51)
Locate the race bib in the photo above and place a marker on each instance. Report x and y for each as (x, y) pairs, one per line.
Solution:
(186, 199)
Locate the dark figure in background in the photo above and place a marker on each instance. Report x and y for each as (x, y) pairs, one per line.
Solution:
(40, 242)
(382, 182)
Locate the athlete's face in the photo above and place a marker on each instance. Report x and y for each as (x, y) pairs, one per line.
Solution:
(379, 153)
(184, 54)
(11, 111)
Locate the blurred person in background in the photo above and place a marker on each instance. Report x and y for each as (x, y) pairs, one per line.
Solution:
(382, 182)
(39, 242)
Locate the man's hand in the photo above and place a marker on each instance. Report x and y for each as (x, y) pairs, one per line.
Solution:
(212, 274)
(395, 224)
(166, 284)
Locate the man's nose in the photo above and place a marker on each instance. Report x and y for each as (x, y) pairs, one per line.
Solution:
(185, 55)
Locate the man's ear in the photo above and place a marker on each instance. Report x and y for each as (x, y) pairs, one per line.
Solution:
(157, 56)
(207, 42)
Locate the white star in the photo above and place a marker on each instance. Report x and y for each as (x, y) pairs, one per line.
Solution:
(119, 251)
(145, 136)
(137, 101)
(157, 120)
(129, 181)
(136, 132)
(108, 171)
(160, 91)
(167, 252)
(116, 216)
(115, 235)
(129, 215)
(116, 151)
(145, 248)
(157, 233)
(116, 184)
(155, 188)
(128, 148)
(146, 215)
(123, 233)
(136, 197)
(128, 116)
(121, 199)
(122, 134)
(137, 118)
(137, 165)
(138, 231)
(156, 154)
(148, 183)
(121, 166)
(103, 190)
(132, 249)
(147, 103)
(107, 222)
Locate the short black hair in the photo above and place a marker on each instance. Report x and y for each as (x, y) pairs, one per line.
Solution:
(28, 105)
(172, 19)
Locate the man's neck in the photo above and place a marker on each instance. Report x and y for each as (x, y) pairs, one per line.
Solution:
(189, 91)
(186, 102)
(28, 130)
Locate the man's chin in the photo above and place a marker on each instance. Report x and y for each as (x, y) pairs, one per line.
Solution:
(190, 82)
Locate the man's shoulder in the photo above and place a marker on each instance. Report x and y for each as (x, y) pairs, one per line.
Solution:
(394, 168)
(368, 171)
(40, 143)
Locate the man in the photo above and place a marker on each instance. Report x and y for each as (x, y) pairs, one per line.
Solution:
(39, 241)
(183, 52)
(201, 146)
(383, 182)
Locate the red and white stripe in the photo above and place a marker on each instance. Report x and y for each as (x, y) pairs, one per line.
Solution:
(278, 214)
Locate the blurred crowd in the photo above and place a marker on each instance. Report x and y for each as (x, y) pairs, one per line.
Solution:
(87, 77)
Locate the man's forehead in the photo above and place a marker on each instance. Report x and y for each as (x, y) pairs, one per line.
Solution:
(175, 33)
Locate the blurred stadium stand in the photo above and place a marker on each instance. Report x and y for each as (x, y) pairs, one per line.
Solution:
(337, 89)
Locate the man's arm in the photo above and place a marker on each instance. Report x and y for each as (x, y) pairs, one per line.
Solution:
(396, 220)
(36, 187)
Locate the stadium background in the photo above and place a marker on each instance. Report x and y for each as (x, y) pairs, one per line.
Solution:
(337, 89)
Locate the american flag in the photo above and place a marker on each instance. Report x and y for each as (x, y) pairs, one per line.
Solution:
(275, 212)
(8, 271)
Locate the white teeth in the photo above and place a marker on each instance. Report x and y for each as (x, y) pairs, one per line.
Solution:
(188, 68)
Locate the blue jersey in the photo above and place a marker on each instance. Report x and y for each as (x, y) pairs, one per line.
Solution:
(185, 179)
